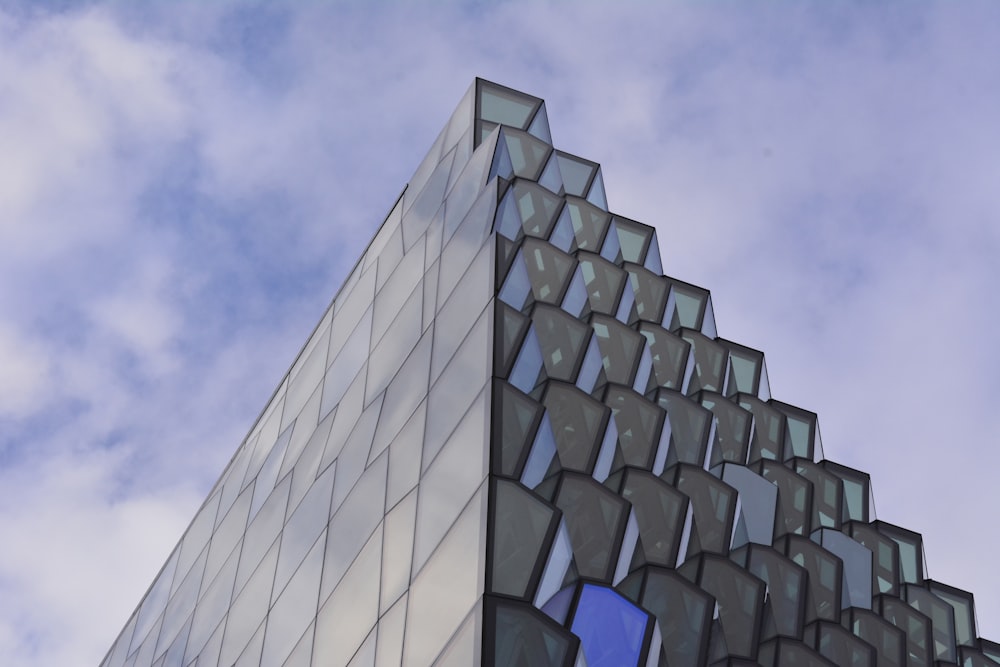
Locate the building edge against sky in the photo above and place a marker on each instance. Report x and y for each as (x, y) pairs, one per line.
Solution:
(512, 437)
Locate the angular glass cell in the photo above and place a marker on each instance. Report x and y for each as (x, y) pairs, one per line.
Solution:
(669, 354)
(794, 515)
(740, 599)
(611, 629)
(885, 556)
(917, 627)
(768, 439)
(518, 634)
(827, 495)
(888, 640)
(713, 503)
(826, 574)
(639, 424)
(683, 612)
(620, 348)
(589, 224)
(689, 425)
(578, 424)
(515, 289)
(597, 195)
(562, 340)
(537, 208)
(732, 429)
(577, 173)
(786, 584)
(499, 104)
(522, 529)
(596, 520)
(634, 239)
(710, 360)
(511, 327)
(911, 551)
(660, 511)
(964, 605)
(857, 560)
(942, 616)
(604, 282)
(650, 292)
(839, 645)
(856, 489)
(758, 502)
(515, 419)
(528, 155)
(686, 306)
(800, 430)
(549, 271)
(745, 367)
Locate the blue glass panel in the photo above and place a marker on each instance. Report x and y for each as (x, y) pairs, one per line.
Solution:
(611, 629)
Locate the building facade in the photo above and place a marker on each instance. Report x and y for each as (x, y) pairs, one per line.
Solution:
(511, 440)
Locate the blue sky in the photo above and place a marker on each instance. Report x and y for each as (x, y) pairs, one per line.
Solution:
(183, 187)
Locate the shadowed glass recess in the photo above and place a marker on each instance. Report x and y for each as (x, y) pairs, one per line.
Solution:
(511, 440)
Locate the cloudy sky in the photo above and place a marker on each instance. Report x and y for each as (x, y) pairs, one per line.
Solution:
(183, 188)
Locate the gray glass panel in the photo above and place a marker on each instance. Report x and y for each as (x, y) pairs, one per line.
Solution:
(345, 367)
(794, 499)
(963, 604)
(397, 550)
(650, 293)
(620, 348)
(740, 597)
(498, 104)
(527, 154)
(857, 561)
(825, 577)
(294, 609)
(732, 429)
(669, 355)
(768, 437)
(639, 425)
(889, 641)
(303, 527)
(660, 511)
(942, 617)
(519, 635)
(536, 207)
(713, 503)
(247, 613)
(548, 269)
(407, 389)
(688, 306)
(589, 224)
(827, 496)
(689, 427)
(596, 521)
(389, 647)
(576, 173)
(604, 282)
(522, 528)
(578, 424)
(562, 339)
(517, 417)
(917, 627)
(709, 362)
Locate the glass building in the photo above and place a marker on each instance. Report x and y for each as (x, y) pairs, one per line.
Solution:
(511, 440)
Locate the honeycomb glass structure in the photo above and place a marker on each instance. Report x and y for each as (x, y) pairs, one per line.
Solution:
(511, 440)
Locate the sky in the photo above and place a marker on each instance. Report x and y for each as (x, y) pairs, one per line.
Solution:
(184, 186)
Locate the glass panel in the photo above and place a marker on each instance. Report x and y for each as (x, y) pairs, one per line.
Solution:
(744, 369)
(604, 282)
(732, 429)
(389, 649)
(688, 304)
(942, 617)
(596, 520)
(345, 367)
(768, 437)
(827, 497)
(620, 348)
(589, 223)
(537, 208)
(709, 362)
(650, 293)
(714, 505)
(825, 577)
(407, 389)
(294, 609)
(527, 154)
(794, 499)
(917, 627)
(576, 173)
(498, 104)
(639, 425)
(397, 550)
(551, 179)
(518, 419)
(518, 634)
(578, 422)
(965, 611)
(548, 269)
(740, 597)
(633, 238)
(689, 425)
(345, 619)
(669, 354)
(611, 629)
(444, 592)
(522, 528)
(451, 479)
(562, 339)
(660, 511)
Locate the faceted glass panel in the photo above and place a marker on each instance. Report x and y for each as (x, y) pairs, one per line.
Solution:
(522, 527)
(596, 521)
(611, 629)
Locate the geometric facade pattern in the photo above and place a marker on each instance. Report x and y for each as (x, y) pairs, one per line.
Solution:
(512, 440)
